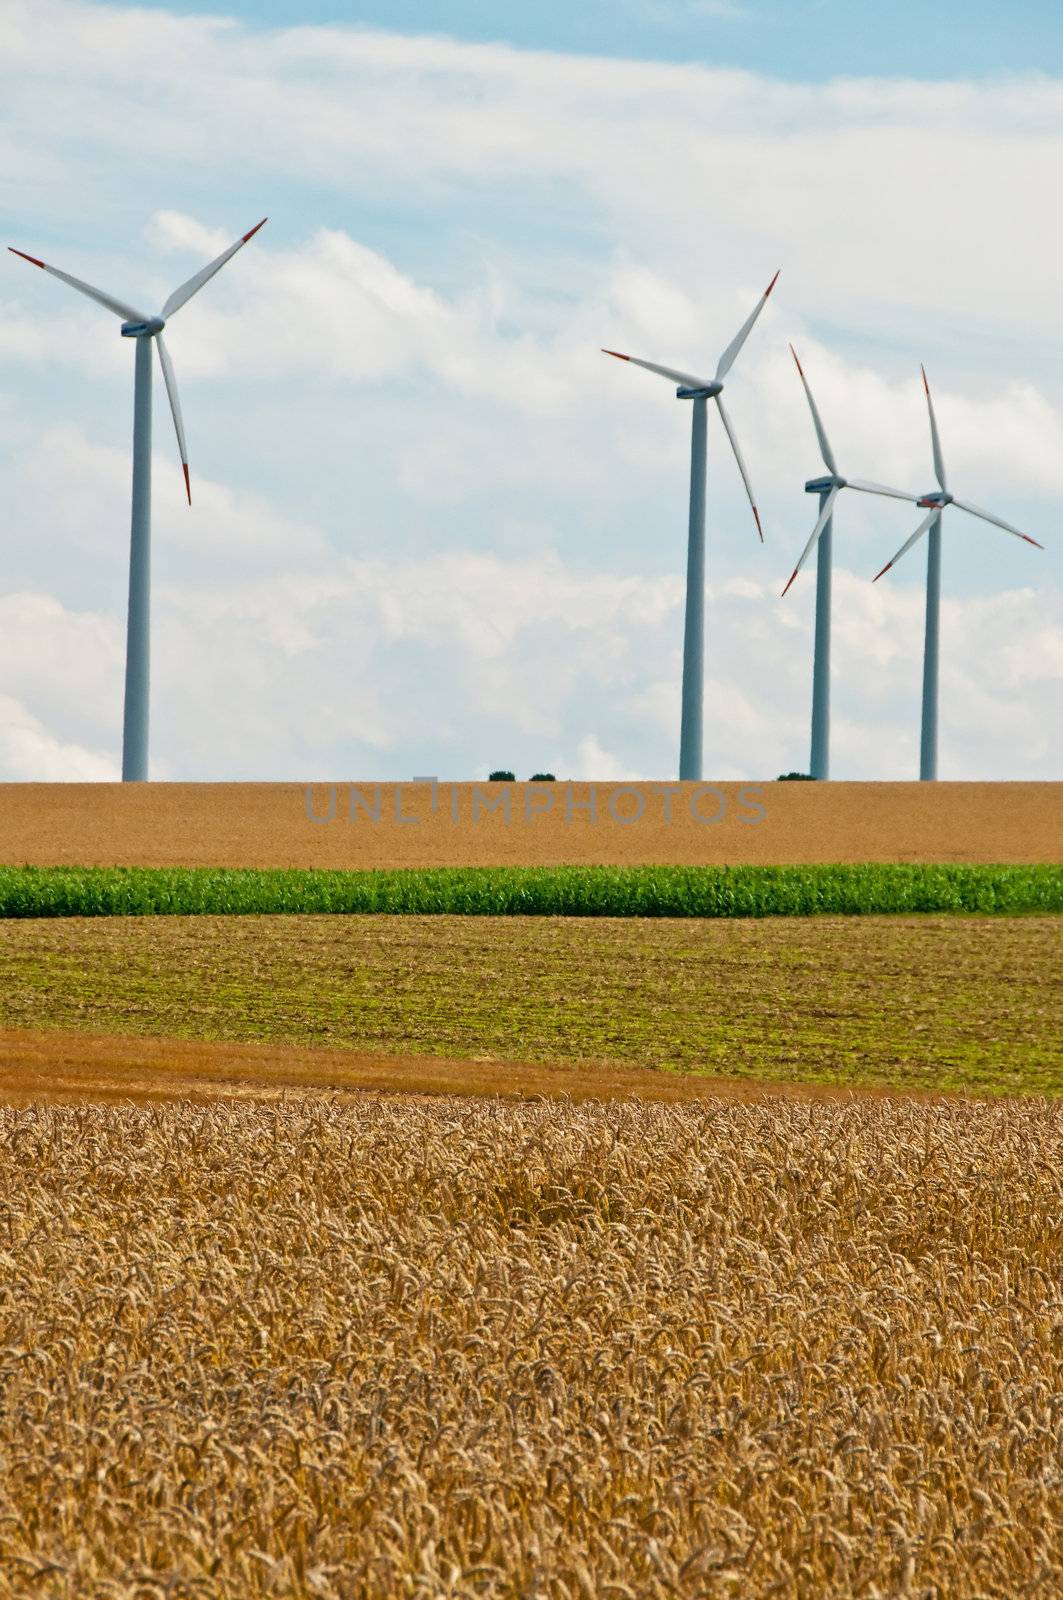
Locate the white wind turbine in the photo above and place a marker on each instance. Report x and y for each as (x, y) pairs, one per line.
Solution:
(700, 390)
(145, 330)
(936, 502)
(821, 539)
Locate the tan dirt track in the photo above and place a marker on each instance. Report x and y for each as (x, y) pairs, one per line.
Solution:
(267, 825)
(62, 1066)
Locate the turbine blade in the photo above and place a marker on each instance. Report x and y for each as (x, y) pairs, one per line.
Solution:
(170, 380)
(939, 463)
(828, 507)
(204, 275)
(916, 536)
(685, 380)
(727, 360)
(987, 516)
(119, 307)
(817, 421)
(866, 487)
(725, 419)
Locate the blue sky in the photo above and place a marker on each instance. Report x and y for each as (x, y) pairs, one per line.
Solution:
(433, 528)
(802, 40)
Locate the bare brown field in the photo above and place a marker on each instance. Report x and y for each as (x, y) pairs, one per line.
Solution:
(398, 1346)
(267, 825)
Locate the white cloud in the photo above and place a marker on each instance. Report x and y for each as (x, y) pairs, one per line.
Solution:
(65, 665)
(475, 662)
(29, 752)
(595, 763)
(848, 180)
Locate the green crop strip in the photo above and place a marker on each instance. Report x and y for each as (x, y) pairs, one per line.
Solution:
(535, 891)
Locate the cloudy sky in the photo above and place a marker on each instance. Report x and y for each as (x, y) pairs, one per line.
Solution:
(434, 529)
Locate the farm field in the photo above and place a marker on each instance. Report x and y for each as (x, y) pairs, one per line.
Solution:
(267, 824)
(918, 1003)
(462, 1347)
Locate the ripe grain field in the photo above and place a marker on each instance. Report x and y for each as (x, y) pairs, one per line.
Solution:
(925, 1003)
(267, 824)
(464, 1348)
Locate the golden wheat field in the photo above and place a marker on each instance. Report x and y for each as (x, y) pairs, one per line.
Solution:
(376, 1347)
(408, 825)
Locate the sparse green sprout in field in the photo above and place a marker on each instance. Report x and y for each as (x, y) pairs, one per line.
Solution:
(863, 997)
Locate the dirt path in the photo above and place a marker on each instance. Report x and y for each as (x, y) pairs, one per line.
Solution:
(59, 1066)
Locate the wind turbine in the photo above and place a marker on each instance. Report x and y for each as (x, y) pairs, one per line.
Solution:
(700, 390)
(144, 329)
(935, 502)
(821, 538)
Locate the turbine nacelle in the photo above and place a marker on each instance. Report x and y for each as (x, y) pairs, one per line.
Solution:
(825, 485)
(142, 330)
(707, 391)
(937, 500)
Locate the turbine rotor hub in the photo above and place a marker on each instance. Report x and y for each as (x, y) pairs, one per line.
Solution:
(704, 392)
(939, 499)
(143, 330)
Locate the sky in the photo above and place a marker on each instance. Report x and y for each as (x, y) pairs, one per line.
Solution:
(799, 40)
(433, 528)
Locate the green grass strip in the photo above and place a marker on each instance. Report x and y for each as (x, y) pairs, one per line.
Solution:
(534, 891)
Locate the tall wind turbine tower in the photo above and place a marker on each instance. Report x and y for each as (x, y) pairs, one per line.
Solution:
(828, 488)
(700, 391)
(936, 502)
(145, 330)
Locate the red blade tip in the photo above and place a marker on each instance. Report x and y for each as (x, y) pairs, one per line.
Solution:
(772, 284)
(188, 481)
(800, 368)
(255, 229)
(793, 575)
(1036, 546)
(615, 353)
(926, 386)
(31, 259)
(878, 575)
(756, 518)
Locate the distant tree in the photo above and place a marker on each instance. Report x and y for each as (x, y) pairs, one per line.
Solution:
(543, 777)
(501, 777)
(795, 777)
